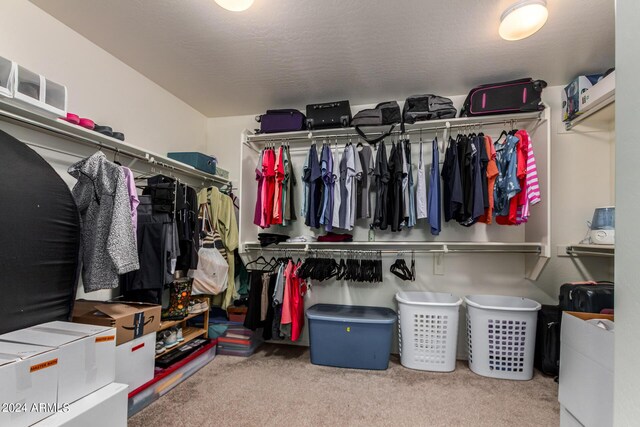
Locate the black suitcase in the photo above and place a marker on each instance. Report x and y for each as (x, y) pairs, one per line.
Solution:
(328, 115)
(516, 96)
(586, 297)
(547, 353)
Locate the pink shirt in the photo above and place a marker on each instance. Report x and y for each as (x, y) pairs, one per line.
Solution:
(531, 192)
(133, 197)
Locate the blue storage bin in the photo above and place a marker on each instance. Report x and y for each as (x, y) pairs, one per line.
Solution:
(197, 160)
(351, 336)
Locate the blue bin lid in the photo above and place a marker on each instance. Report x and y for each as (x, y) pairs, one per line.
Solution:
(351, 313)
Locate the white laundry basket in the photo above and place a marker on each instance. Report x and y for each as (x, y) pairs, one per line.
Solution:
(428, 330)
(501, 332)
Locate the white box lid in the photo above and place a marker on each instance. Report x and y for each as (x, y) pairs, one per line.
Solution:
(75, 327)
(22, 351)
(50, 337)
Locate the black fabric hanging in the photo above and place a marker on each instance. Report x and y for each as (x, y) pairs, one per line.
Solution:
(39, 239)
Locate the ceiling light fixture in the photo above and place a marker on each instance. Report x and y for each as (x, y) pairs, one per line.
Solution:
(235, 5)
(522, 19)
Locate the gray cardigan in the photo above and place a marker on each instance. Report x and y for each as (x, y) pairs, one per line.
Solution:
(108, 241)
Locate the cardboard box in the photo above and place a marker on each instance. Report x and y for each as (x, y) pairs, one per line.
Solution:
(29, 383)
(567, 419)
(135, 361)
(106, 407)
(86, 355)
(598, 93)
(586, 369)
(131, 320)
(572, 93)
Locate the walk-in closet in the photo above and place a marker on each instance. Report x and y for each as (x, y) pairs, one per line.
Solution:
(367, 213)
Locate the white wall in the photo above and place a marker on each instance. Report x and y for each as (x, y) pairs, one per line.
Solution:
(100, 87)
(576, 190)
(627, 343)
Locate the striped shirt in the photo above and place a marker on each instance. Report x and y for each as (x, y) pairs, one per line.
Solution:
(531, 192)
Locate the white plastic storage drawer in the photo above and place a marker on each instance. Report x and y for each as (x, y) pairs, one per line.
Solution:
(7, 76)
(37, 91)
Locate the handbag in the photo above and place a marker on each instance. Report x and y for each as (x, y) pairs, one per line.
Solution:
(211, 276)
(179, 295)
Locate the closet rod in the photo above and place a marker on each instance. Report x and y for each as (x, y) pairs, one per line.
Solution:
(448, 126)
(391, 251)
(38, 124)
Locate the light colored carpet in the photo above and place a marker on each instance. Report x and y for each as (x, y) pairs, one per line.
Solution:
(278, 386)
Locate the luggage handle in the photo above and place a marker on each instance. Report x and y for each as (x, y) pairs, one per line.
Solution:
(375, 140)
(329, 105)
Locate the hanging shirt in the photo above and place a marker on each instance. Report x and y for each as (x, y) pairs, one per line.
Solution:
(279, 178)
(306, 176)
(479, 184)
(355, 183)
(315, 189)
(286, 209)
(257, 216)
(492, 173)
(290, 211)
(382, 178)
(133, 197)
(452, 194)
(434, 190)
(532, 184)
(326, 168)
(269, 172)
(507, 185)
(285, 320)
(396, 208)
(412, 195)
(363, 207)
(405, 184)
(298, 289)
(521, 174)
(421, 189)
(347, 173)
(337, 188)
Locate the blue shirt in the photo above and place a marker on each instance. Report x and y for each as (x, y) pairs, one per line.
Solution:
(507, 185)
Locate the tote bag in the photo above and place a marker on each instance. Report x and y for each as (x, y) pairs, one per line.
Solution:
(211, 276)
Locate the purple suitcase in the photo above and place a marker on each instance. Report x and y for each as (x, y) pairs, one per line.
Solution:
(286, 120)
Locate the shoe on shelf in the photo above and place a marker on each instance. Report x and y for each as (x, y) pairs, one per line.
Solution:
(170, 338)
(179, 336)
(160, 344)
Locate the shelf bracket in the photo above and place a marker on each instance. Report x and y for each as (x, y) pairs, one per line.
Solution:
(438, 263)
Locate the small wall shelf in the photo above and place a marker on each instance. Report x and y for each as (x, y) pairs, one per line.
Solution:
(604, 111)
(591, 250)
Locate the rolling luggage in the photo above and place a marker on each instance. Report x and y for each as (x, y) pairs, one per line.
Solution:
(516, 96)
(587, 297)
(328, 115)
(286, 120)
(547, 355)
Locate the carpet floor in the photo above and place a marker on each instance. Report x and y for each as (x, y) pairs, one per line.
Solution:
(278, 386)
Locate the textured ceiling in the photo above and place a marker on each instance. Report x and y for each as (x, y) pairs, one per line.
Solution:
(285, 53)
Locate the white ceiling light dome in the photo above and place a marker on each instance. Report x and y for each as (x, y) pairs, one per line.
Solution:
(235, 5)
(522, 19)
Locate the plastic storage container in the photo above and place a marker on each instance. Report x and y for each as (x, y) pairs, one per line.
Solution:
(35, 90)
(501, 332)
(7, 76)
(197, 160)
(428, 330)
(350, 336)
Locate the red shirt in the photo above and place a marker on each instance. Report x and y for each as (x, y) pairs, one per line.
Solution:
(277, 197)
